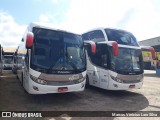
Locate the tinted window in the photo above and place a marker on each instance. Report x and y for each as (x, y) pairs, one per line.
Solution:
(100, 58)
(97, 36)
(121, 37)
(85, 36)
(128, 60)
(8, 59)
(54, 50)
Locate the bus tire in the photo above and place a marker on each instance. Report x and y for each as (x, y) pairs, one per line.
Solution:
(87, 81)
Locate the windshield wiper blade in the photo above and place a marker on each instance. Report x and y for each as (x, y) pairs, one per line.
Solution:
(53, 64)
(70, 60)
(73, 65)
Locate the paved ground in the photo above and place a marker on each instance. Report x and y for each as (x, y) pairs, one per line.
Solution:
(13, 98)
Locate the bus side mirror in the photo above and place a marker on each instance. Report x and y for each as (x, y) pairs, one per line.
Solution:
(92, 46)
(29, 40)
(151, 49)
(152, 52)
(115, 48)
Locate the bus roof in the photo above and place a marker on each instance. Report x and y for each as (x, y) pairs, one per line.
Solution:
(103, 28)
(119, 45)
(47, 26)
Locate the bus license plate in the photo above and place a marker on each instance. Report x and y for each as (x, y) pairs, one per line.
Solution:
(132, 86)
(62, 89)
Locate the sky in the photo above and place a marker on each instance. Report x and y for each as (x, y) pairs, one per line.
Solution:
(140, 17)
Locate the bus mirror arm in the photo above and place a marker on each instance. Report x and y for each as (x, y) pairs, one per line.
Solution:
(114, 45)
(115, 48)
(151, 49)
(153, 52)
(92, 46)
(29, 40)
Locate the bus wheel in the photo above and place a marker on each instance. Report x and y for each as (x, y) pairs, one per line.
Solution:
(87, 81)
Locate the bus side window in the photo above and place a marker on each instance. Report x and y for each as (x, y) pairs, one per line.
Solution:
(85, 36)
(104, 49)
(96, 58)
(88, 49)
(104, 61)
(97, 36)
(27, 60)
(19, 61)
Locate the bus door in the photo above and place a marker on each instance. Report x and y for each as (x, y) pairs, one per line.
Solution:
(104, 78)
(94, 76)
(93, 67)
(104, 73)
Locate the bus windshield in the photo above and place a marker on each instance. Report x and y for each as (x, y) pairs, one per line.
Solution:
(7, 61)
(121, 37)
(57, 52)
(129, 61)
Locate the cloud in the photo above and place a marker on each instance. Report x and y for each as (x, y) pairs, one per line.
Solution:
(53, 1)
(144, 23)
(140, 17)
(10, 32)
(86, 14)
(137, 16)
(44, 18)
(47, 18)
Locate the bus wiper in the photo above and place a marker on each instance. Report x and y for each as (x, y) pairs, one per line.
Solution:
(50, 68)
(53, 64)
(69, 60)
(72, 63)
(59, 61)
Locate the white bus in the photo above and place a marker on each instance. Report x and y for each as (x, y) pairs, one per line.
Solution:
(117, 63)
(7, 61)
(51, 61)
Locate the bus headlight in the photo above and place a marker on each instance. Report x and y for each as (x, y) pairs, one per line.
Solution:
(116, 79)
(37, 80)
(77, 78)
(74, 77)
(82, 79)
(119, 80)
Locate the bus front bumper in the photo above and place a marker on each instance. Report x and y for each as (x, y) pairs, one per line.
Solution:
(121, 86)
(35, 88)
